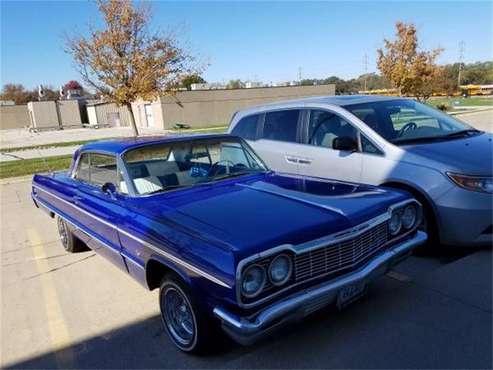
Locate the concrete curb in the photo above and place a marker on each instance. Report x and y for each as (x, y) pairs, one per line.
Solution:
(14, 180)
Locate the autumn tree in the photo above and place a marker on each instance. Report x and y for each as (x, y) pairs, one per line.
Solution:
(411, 70)
(18, 93)
(124, 60)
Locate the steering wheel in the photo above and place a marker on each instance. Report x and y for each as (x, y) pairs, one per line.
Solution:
(214, 168)
(407, 127)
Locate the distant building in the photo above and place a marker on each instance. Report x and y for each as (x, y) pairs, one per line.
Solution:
(5, 103)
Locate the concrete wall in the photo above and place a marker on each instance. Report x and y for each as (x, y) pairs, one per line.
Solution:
(216, 107)
(14, 116)
(141, 117)
(106, 113)
(43, 114)
(69, 113)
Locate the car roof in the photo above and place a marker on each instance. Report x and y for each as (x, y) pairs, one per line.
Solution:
(119, 146)
(340, 100)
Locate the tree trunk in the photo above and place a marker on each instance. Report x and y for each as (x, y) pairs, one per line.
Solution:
(132, 120)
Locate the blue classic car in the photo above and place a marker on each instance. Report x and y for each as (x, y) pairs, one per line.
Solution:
(229, 243)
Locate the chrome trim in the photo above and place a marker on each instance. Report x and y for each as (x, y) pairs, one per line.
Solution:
(89, 234)
(263, 281)
(288, 276)
(325, 241)
(247, 329)
(292, 197)
(167, 255)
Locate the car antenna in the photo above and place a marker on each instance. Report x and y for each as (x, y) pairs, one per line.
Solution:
(44, 160)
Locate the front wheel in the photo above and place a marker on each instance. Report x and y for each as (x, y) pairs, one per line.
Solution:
(188, 328)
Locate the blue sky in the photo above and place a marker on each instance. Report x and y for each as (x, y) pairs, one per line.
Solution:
(265, 41)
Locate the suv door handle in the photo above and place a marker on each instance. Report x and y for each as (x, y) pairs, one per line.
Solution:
(77, 198)
(305, 161)
(291, 159)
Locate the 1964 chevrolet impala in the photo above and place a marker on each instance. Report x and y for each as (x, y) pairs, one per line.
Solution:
(229, 243)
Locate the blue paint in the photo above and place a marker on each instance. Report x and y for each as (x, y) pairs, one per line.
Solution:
(202, 232)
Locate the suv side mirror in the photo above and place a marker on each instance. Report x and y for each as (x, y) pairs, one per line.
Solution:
(345, 143)
(109, 189)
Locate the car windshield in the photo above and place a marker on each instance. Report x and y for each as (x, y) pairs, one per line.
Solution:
(405, 121)
(163, 167)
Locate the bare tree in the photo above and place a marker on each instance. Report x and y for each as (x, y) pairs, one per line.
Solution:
(125, 61)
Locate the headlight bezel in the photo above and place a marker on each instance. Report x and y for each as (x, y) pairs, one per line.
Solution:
(464, 182)
(261, 286)
(397, 214)
(415, 216)
(398, 209)
(288, 275)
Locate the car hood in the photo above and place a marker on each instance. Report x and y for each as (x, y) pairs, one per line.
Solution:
(253, 213)
(472, 155)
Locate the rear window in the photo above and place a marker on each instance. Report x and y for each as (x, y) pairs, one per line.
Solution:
(247, 127)
(281, 125)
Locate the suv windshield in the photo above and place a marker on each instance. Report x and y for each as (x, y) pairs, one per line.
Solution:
(404, 121)
(163, 167)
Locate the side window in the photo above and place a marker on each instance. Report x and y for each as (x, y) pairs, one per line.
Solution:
(82, 172)
(324, 127)
(97, 169)
(247, 127)
(281, 125)
(368, 147)
(103, 169)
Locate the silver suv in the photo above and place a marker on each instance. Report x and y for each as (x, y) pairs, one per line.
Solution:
(394, 142)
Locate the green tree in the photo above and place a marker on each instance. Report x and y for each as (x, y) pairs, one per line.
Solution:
(187, 81)
(235, 84)
(124, 61)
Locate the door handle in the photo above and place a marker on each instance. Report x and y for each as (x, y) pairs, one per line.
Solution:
(305, 161)
(291, 159)
(77, 198)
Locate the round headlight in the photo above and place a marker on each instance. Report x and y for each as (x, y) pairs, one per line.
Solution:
(395, 223)
(280, 269)
(409, 216)
(253, 281)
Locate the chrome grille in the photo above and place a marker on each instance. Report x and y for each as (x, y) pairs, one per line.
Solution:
(340, 256)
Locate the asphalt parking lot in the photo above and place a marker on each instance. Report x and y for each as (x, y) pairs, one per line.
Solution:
(78, 311)
(64, 310)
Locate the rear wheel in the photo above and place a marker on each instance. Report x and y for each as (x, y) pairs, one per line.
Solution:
(69, 242)
(190, 329)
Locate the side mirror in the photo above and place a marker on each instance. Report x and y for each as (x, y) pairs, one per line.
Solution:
(345, 143)
(109, 189)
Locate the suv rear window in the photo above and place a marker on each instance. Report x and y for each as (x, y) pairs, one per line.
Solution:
(247, 127)
(281, 125)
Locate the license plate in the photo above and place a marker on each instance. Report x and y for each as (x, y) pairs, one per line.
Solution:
(350, 293)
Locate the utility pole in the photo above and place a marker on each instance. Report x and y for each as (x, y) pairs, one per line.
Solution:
(299, 74)
(462, 45)
(365, 67)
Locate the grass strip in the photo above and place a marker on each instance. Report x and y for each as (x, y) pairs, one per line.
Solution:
(30, 166)
(206, 130)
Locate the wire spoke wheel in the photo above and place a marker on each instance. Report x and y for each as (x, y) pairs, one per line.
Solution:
(63, 233)
(178, 317)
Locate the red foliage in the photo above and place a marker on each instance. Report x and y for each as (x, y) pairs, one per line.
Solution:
(72, 85)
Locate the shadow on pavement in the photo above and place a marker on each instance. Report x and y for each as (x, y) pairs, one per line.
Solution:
(441, 321)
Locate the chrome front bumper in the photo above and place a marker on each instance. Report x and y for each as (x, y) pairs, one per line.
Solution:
(246, 330)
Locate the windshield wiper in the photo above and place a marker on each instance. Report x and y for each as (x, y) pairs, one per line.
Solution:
(469, 131)
(452, 135)
(417, 139)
